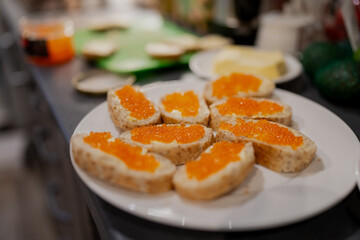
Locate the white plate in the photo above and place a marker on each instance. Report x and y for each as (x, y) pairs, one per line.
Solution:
(266, 199)
(202, 65)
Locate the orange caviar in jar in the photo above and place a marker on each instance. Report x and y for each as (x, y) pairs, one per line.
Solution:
(248, 107)
(47, 41)
(221, 154)
(264, 131)
(135, 102)
(228, 86)
(131, 155)
(168, 133)
(186, 103)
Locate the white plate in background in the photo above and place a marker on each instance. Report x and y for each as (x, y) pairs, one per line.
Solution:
(202, 65)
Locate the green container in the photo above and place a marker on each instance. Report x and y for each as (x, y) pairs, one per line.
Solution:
(131, 56)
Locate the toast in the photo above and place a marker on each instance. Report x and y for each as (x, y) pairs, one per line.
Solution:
(184, 107)
(177, 142)
(238, 84)
(186, 41)
(249, 108)
(161, 50)
(98, 49)
(276, 146)
(198, 180)
(129, 108)
(116, 170)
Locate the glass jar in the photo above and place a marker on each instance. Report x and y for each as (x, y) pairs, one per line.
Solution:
(47, 41)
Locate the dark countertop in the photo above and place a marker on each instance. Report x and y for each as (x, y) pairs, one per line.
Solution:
(69, 107)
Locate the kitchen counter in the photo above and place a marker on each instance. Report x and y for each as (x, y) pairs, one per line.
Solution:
(68, 107)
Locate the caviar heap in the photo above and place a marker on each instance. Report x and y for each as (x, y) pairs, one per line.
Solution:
(168, 133)
(135, 102)
(131, 155)
(231, 85)
(221, 154)
(264, 131)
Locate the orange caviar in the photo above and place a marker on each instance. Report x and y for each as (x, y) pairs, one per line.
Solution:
(187, 103)
(265, 131)
(228, 86)
(221, 154)
(132, 156)
(135, 102)
(168, 133)
(248, 107)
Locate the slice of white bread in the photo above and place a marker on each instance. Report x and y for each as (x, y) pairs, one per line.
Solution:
(220, 182)
(122, 117)
(113, 170)
(270, 64)
(179, 101)
(213, 41)
(279, 158)
(232, 86)
(163, 50)
(178, 153)
(186, 41)
(98, 49)
(235, 107)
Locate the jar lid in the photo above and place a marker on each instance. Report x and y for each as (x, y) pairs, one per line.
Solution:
(99, 81)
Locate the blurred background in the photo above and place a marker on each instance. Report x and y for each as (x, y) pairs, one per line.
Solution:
(26, 210)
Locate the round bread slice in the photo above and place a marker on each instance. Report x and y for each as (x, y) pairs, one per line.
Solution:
(236, 81)
(162, 50)
(235, 107)
(277, 157)
(219, 183)
(113, 170)
(213, 41)
(186, 41)
(122, 116)
(182, 98)
(98, 49)
(178, 153)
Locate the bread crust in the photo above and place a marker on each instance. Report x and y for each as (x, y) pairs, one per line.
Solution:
(112, 170)
(219, 183)
(121, 117)
(174, 118)
(276, 157)
(283, 117)
(177, 153)
(265, 90)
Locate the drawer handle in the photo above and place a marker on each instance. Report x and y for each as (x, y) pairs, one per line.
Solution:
(52, 191)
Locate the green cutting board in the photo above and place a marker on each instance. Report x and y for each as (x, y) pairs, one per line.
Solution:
(131, 56)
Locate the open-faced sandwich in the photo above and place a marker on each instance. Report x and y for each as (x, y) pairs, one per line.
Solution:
(100, 48)
(121, 164)
(220, 169)
(163, 50)
(184, 107)
(186, 41)
(177, 142)
(129, 108)
(238, 84)
(276, 146)
(249, 108)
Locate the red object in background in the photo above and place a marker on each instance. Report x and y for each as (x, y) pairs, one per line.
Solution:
(333, 22)
(47, 42)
